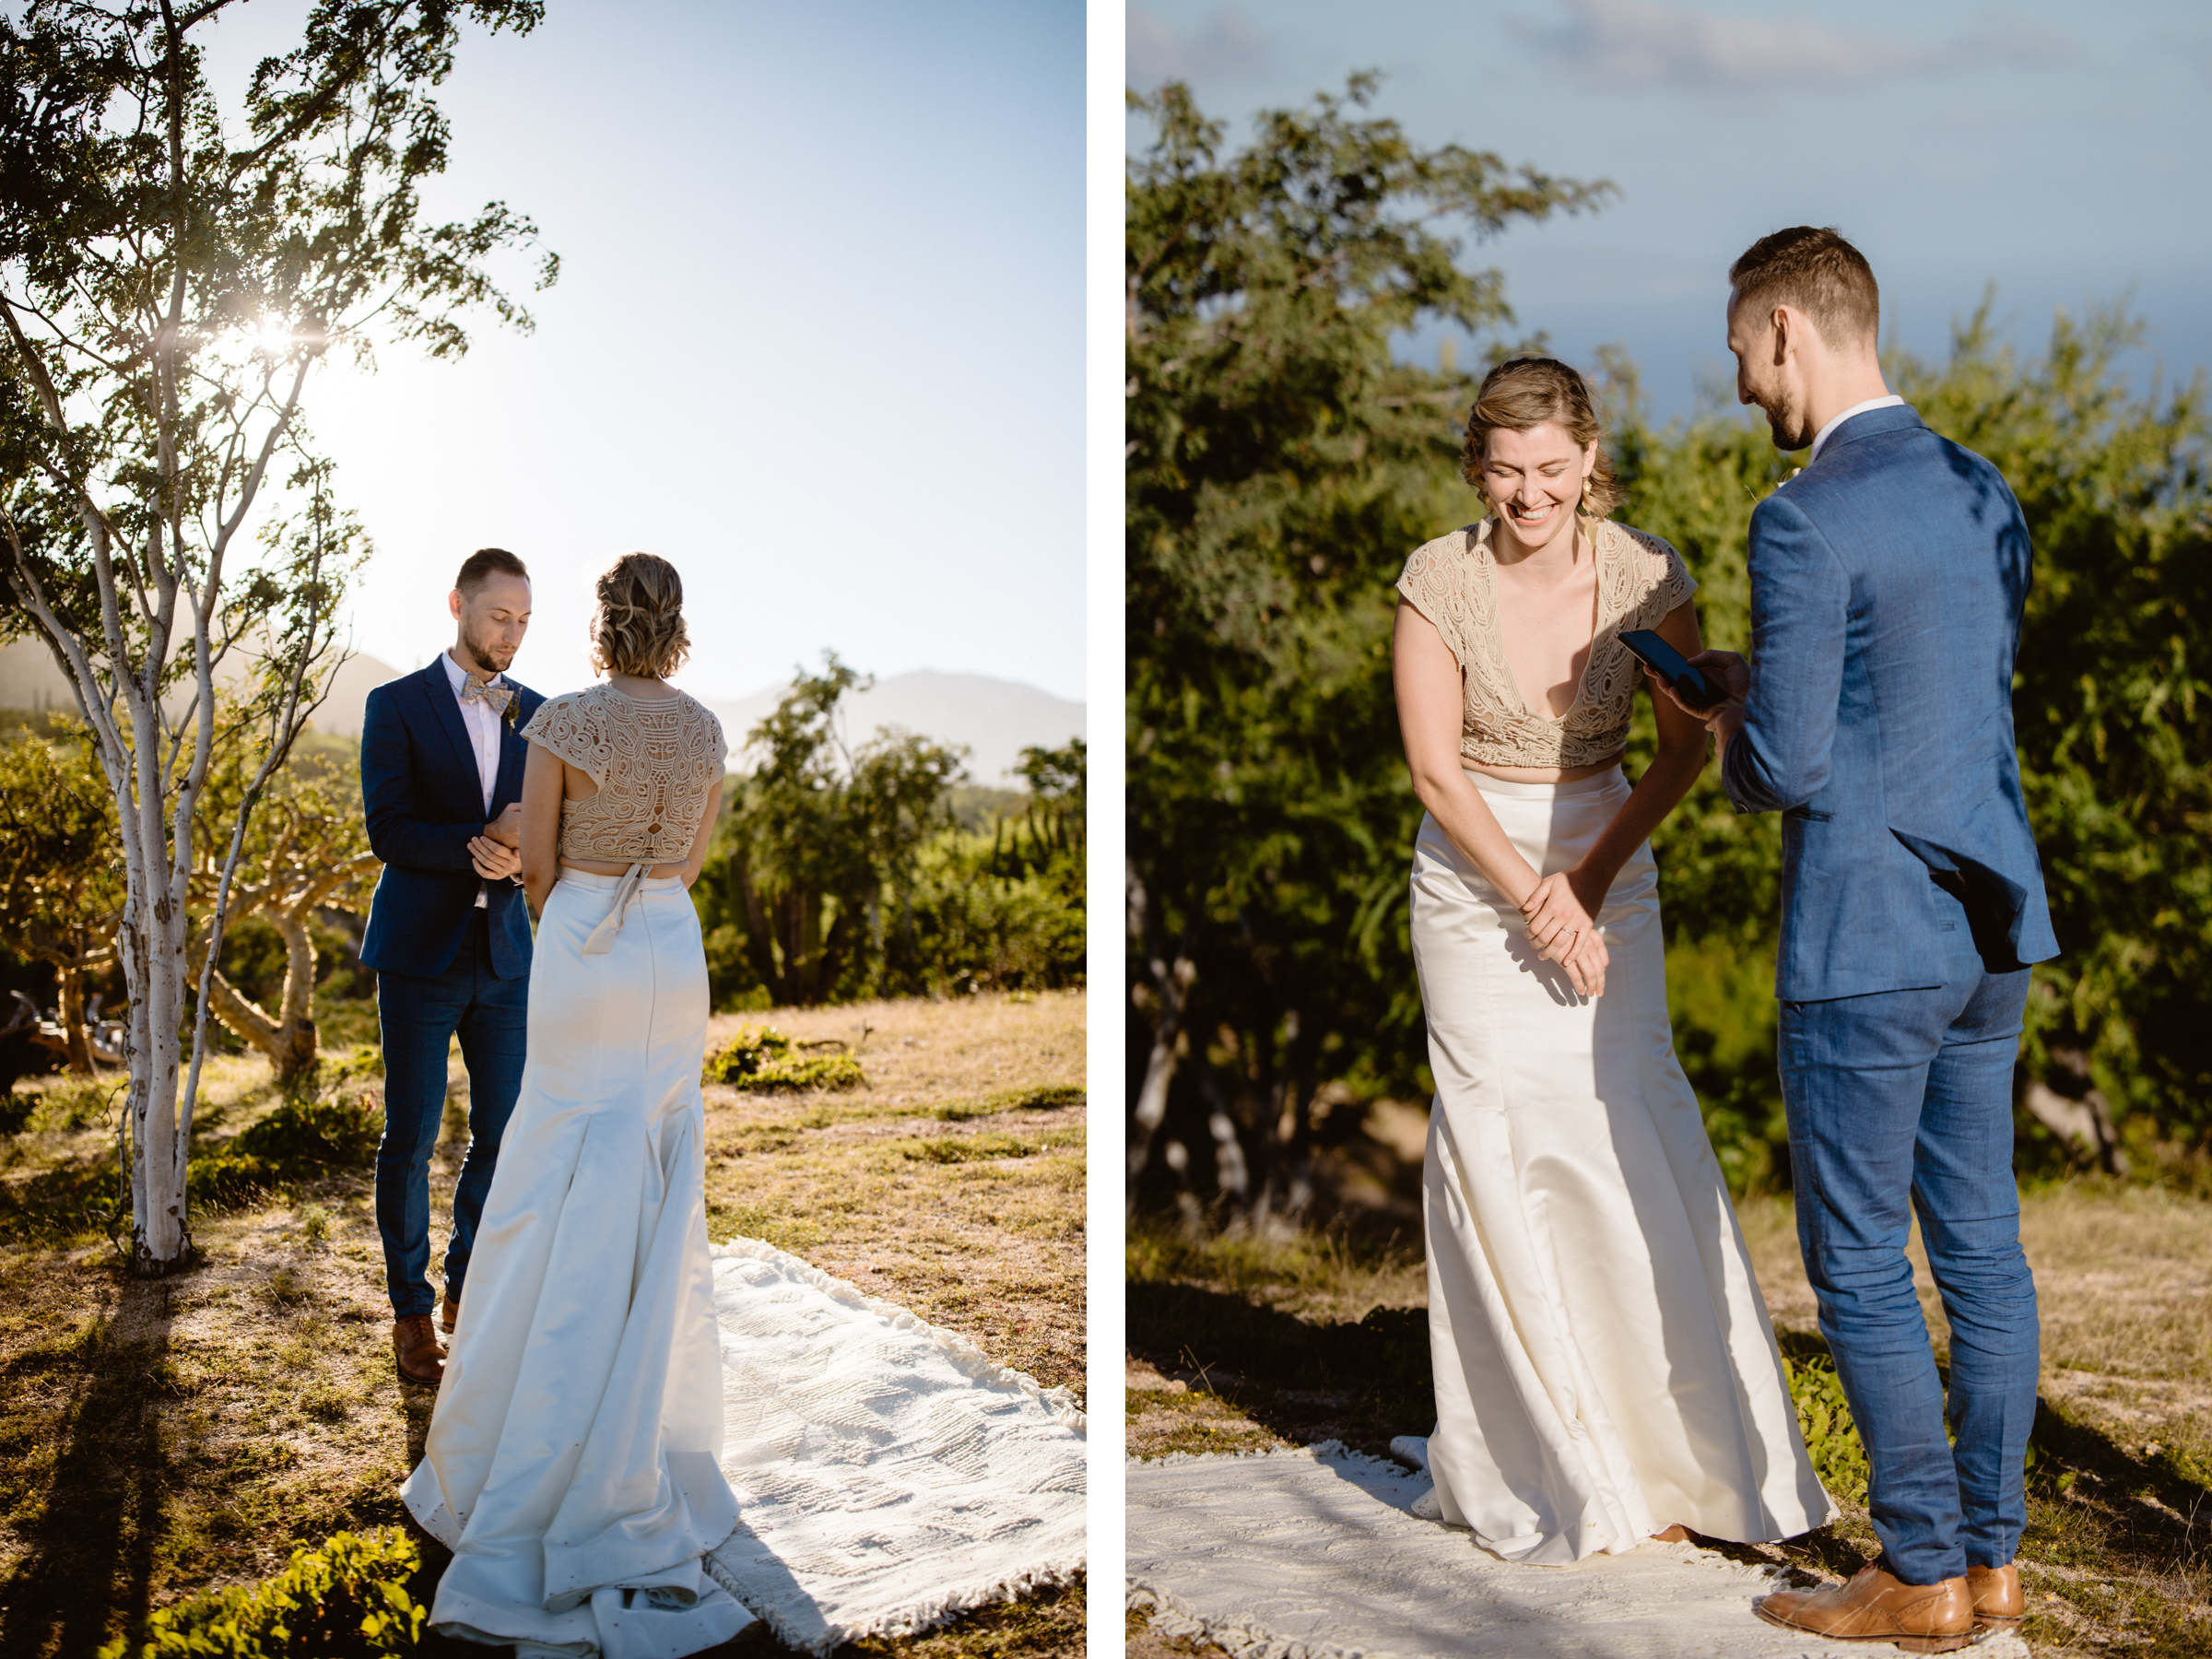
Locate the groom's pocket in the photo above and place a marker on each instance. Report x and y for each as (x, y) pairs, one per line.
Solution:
(1808, 815)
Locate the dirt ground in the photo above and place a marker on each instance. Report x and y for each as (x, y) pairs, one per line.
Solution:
(1240, 1343)
(158, 1438)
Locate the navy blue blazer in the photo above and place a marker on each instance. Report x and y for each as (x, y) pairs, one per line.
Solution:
(424, 801)
(1887, 584)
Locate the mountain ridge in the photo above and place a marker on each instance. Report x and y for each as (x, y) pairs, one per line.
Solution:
(993, 718)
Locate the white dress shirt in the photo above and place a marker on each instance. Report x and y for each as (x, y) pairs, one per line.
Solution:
(483, 723)
(1820, 437)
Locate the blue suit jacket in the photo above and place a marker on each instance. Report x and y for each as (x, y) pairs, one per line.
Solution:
(424, 801)
(1887, 584)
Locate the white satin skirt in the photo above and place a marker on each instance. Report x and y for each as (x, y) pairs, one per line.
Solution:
(1605, 1365)
(572, 1463)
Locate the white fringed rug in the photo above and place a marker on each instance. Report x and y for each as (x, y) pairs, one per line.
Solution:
(889, 1476)
(1312, 1554)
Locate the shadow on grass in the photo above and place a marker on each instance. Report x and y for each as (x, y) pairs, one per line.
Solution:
(93, 1533)
(1301, 1378)
(66, 1204)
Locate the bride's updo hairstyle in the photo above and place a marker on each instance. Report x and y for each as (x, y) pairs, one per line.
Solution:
(1524, 393)
(638, 624)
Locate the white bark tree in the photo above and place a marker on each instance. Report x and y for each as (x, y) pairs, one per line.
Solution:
(171, 275)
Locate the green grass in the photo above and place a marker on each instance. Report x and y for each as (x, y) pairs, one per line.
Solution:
(974, 1148)
(1047, 1099)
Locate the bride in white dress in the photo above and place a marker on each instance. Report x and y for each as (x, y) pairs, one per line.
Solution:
(1604, 1366)
(572, 1463)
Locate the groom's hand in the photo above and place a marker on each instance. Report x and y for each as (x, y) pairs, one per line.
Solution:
(495, 861)
(1733, 676)
(508, 827)
(1727, 667)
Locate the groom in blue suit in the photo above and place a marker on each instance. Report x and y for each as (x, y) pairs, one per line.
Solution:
(1876, 715)
(448, 936)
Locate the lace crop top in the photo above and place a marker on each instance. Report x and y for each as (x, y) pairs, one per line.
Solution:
(654, 763)
(1451, 580)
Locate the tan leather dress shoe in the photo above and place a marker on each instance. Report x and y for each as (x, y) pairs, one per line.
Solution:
(1998, 1599)
(1875, 1606)
(448, 1311)
(415, 1351)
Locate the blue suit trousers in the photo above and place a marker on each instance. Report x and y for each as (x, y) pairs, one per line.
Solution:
(420, 1016)
(1900, 1102)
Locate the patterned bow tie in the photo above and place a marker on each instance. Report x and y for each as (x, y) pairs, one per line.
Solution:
(476, 690)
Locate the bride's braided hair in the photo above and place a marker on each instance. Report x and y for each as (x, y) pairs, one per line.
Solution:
(1524, 393)
(638, 624)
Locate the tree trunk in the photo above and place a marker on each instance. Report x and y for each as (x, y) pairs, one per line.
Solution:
(289, 1045)
(760, 925)
(296, 1029)
(70, 996)
(2081, 1117)
(286, 1039)
(1170, 989)
(801, 932)
(1171, 980)
(154, 947)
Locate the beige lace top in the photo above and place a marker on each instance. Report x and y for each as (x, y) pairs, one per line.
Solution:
(654, 763)
(1453, 582)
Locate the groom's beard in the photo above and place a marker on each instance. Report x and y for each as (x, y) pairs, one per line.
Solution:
(1791, 432)
(484, 652)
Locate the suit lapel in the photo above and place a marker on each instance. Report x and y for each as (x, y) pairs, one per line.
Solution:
(507, 785)
(445, 708)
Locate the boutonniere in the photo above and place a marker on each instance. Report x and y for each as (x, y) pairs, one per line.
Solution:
(512, 712)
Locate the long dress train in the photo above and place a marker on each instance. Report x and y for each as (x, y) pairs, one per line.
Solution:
(1604, 1365)
(573, 1462)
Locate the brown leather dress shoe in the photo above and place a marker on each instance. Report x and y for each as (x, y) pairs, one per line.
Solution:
(415, 1351)
(1998, 1599)
(448, 1311)
(1875, 1606)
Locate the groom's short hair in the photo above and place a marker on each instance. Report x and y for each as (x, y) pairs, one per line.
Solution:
(479, 566)
(1814, 269)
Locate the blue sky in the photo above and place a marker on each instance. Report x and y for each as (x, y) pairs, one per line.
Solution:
(2055, 150)
(818, 339)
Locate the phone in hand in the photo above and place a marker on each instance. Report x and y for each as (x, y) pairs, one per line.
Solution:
(1695, 690)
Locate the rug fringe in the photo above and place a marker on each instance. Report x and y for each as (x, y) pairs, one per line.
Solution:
(951, 1604)
(941, 1608)
(1328, 1451)
(971, 1359)
(1245, 1641)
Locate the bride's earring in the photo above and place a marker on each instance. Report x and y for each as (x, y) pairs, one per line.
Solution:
(1589, 505)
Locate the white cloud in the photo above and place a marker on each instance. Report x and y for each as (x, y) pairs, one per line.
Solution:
(1646, 43)
(1225, 44)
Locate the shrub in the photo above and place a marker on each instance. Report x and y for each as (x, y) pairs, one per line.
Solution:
(760, 1060)
(1824, 1416)
(346, 1598)
(966, 1149)
(298, 1138)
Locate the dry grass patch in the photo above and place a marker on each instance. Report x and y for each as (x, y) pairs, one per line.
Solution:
(1144, 1642)
(158, 1438)
(951, 1181)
